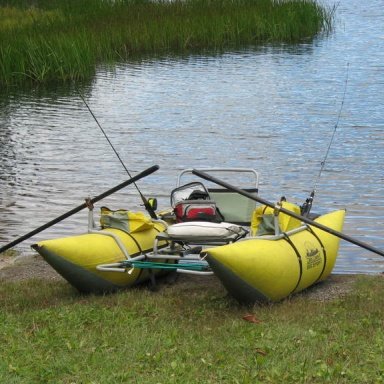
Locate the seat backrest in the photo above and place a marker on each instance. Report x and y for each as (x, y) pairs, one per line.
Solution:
(234, 207)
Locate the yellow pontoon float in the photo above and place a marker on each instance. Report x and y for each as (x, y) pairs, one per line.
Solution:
(77, 258)
(271, 267)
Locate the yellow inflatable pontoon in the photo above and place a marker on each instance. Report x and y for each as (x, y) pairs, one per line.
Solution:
(77, 258)
(270, 268)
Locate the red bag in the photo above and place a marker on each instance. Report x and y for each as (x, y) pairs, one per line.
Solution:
(192, 202)
(189, 210)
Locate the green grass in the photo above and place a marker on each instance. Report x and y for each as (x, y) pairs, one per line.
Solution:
(188, 333)
(65, 40)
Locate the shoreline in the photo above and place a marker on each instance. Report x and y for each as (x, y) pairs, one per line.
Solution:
(23, 268)
(26, 267)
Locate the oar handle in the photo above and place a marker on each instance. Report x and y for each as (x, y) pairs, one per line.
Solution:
(304, 219)
(132, 180)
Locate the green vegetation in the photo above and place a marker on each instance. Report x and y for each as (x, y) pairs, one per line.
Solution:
(64, 40)
(189, 332)
(9, 254)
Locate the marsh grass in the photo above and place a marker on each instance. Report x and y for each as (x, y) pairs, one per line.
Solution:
(188, 333)
(62, 40)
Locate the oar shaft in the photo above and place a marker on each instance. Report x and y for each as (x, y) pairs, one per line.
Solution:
(290, 213)
(132, 180)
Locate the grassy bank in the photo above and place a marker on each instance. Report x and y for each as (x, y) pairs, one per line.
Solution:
(63, 40)
(188, 333)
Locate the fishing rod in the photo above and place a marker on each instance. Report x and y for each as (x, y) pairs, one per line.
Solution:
(146, 203)
(306, 207)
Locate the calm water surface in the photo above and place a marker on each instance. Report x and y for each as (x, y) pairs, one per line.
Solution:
(271, 108)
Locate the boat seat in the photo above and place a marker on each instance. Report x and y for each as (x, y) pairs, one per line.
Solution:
(203, 231)
(194, 233)
(206, 216)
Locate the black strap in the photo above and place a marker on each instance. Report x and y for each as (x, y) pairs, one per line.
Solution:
(324, 252)
(299, 259)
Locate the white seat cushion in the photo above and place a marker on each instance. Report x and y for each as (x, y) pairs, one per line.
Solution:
(205, 230)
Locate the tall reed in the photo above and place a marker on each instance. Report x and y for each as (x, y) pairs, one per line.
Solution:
(63, 40)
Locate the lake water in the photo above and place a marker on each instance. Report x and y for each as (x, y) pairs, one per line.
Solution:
(269, 108)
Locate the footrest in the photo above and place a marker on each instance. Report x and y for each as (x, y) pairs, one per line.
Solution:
(192, 265)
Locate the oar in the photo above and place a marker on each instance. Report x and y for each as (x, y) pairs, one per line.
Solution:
(132, 180)
(290, 213)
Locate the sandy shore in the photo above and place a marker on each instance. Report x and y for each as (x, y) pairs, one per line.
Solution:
(26, 267)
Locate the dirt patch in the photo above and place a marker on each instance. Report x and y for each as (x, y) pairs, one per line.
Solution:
(335, 286)
(25, 268)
